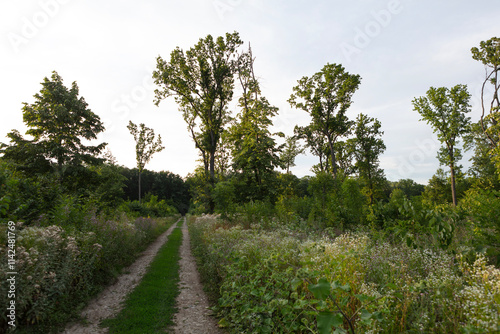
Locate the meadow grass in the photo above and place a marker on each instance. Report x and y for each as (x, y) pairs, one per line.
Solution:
(151, 306)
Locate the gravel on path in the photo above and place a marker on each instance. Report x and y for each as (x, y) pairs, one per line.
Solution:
(194, 315)
(110, 301)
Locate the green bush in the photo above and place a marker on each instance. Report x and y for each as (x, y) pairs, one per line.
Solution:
(225, 198)
(25, 199)
(272, 281)
(482, 208)
(150, 207)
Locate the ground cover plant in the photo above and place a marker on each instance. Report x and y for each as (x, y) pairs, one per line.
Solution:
(151, 306)
(59, 268)
(286, 281)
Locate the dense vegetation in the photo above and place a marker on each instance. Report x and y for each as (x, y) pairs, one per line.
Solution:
(345, 250)
(274, 277)
(77, 217)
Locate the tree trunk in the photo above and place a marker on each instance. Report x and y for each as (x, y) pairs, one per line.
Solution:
(452, 177)
(453, 188)
(139, 186)
(370, 186)
(212, 168)
(332, 154)
(211, 182)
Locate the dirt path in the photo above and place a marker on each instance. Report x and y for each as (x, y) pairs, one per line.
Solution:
(193, 316)
(109, 302)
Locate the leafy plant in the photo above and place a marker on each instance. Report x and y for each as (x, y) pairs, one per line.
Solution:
(340, 295)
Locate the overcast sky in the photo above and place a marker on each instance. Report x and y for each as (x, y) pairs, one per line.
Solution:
(400, 48)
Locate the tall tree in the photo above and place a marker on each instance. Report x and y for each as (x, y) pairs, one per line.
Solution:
(145, 146)
(290, 151)
(201, 80)
(59, 120)
(368, 148)
(489, 54)
(316, 144)
(445, 110)
(326, 96)
(254, 153)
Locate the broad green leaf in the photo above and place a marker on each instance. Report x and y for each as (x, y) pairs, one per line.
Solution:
(365, 315)
(327, 320)
(321, 290)
(337, 285)
(364, 298)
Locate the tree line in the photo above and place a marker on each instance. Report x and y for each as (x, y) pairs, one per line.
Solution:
(241, 160)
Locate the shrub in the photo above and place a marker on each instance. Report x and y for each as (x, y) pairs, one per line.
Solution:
(482, 208)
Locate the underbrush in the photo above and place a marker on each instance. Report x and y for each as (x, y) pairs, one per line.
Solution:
(59, 268)
(282, 281)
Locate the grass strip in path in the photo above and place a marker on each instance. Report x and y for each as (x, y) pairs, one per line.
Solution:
(151, 306)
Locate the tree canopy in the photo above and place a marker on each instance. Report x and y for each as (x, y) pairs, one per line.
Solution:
(326, 96)
(202, 81)
(145, 146)
(445, 110)
(58, 121)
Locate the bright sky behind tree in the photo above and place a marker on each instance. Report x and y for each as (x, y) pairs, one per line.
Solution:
(400, 48)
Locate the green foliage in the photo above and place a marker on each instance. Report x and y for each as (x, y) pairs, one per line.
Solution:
(254, 152)
(335, 292)
(336, 204)
(225, 198)
(108, 193)
(201, 192)
(293, 210)
(445, 110)
(326, 96)
(145, 146)
(166, 185)
(25, 199)
(483, 170)
(255, 211)
(284, 281)
(290, 151)
(368, 146)
(58, 121)
(409, 187)
(202, 82)
(489, 54)
(150, 207)
(316, 143)
(482, 207)
(438, 190)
